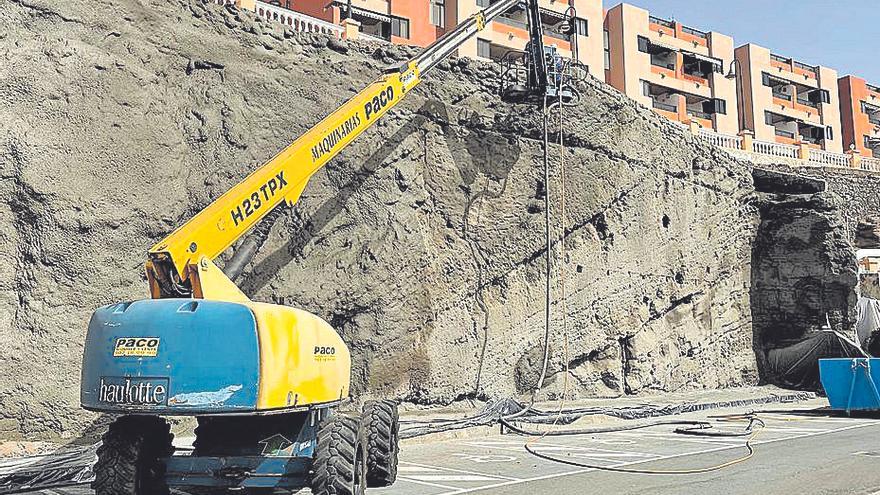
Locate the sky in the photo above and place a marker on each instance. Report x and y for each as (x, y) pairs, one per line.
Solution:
(843, 35)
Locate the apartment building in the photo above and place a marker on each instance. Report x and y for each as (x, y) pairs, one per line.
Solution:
(677, 70)
(510, 32)
(423, 21)
(787, 101)
(860, 115)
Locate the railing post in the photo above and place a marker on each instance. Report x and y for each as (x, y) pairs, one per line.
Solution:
(803, 150)
(747, 138)
(855, 158)
(350, 29)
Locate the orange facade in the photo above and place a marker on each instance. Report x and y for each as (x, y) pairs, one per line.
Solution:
(860, 113)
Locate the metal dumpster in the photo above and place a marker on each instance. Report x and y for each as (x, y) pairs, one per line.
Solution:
(851, 383)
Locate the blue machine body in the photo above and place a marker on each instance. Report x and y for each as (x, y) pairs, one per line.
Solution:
(172, 357)
(851, 384)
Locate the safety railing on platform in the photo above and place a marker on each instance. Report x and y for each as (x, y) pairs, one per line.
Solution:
(298, 22)
(718, 139)
(775, 149)
(827, 158)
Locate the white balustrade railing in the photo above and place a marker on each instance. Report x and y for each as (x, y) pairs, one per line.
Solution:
(870, 164)
(827, 158)
(719, 139)
(775, 149)
(297, 21)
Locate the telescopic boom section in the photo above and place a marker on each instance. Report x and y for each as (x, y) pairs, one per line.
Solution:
(181, 264)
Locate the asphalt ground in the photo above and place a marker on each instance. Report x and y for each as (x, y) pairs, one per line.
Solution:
(793, 453)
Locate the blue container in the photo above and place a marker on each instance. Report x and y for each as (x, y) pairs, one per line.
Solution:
(851, 383)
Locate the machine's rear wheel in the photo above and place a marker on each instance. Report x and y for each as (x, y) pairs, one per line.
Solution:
(128, 458)
(383, 432)
(340, 463)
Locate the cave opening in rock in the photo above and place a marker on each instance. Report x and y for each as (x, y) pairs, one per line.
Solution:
(803, 279)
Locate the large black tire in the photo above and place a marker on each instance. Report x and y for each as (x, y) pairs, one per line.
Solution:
(128, 458)
(340, 463)
(383, 436)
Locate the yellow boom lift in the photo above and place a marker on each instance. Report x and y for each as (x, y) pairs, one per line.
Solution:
(262, 380)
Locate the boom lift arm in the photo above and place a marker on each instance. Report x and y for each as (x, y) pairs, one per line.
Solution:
(181, 264)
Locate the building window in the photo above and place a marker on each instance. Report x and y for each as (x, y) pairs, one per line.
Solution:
(400, 27)
(438, 13)
(581, 27)
(484, 49)
(829, 133)
(607, 44)
(483, 3)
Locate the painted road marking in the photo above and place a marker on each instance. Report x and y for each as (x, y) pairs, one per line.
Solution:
(426, 483)
(415, 469)
(463, 471)
(672, 456)
(449, 477)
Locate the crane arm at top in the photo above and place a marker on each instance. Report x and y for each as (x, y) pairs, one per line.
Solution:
(181, 264)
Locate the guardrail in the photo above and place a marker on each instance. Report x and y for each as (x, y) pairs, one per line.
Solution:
(827, 158)
(695, 32)
(297, 21)
(814, 157)
(718, 139)
(775, 149)
(661, 22)
(870, 164)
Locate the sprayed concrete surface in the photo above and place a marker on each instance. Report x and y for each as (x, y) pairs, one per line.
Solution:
(422, 243)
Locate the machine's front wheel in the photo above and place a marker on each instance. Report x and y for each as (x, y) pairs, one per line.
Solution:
(340, 462)
(382, 423)
(128, 458)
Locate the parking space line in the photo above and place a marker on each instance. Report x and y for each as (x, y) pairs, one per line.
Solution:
(672, 456)
(451, 470)
(450, 477)
(681, 438)
(416, 469)
(426, 483)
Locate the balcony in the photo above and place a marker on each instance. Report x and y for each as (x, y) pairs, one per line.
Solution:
(781, 98)
(661, 22)
(872, 111)
(790, 130)
(783, 133)
(675, 29)
(666, 107)
(793, 66)
(554, 23)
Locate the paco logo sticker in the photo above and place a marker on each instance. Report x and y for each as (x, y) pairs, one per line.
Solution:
(325, 353)
(136, 346)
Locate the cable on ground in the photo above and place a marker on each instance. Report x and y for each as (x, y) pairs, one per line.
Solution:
(750, 451)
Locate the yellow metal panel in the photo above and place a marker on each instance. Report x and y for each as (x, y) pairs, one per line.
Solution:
(283, 178)
(211, 283)
(302, 359)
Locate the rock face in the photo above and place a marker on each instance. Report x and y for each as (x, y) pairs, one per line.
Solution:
(422, 244)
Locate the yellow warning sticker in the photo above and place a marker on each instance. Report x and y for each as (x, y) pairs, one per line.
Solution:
(136, 346)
